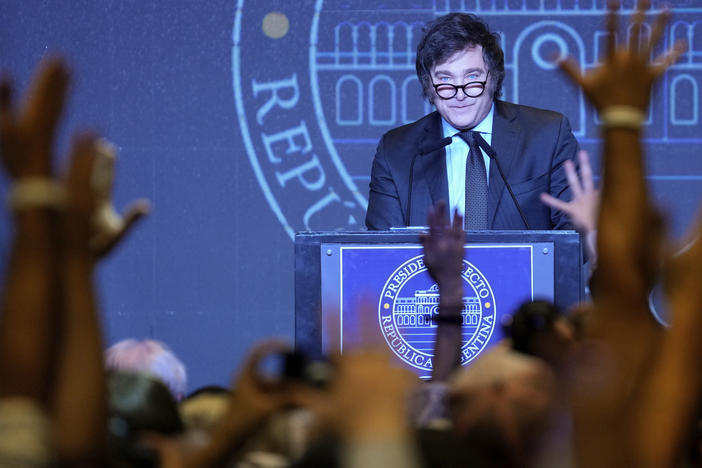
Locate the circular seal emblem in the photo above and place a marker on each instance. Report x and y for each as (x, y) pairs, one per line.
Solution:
(315, 86)
(407, 312)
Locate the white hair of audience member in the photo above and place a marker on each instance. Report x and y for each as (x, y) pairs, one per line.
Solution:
(152, 357)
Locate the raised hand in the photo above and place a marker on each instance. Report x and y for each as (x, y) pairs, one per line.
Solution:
(89, 211)
(626, 76)
(27, 131)
(108, 227)
(582, 209)
(443, 245)
(253, 399)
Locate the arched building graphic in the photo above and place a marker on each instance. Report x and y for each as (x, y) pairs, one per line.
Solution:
(349, 100)
(343, 44)
(382, 99)
(533, 65)
(380, 56)
(364, 67)
(684, 31)
(380, 44)
(368, 50)
(532, 6)
(685, 100)
(383, 38)
(684, 77)
(421, 309)
(412, 102)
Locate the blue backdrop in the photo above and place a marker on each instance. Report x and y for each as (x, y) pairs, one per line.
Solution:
(245, 121)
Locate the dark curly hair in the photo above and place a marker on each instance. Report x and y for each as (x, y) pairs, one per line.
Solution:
(453, 33)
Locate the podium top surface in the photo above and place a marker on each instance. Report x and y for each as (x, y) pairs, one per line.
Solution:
(412, 235)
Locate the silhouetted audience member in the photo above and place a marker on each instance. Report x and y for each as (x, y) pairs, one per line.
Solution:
(138, 403)
(502, 405)
(152, 357)
(539, 329)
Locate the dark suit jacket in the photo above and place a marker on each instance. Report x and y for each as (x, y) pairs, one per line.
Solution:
(531, 144)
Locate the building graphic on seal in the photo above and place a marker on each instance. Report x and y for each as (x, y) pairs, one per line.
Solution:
(421, 310)
(371, 63)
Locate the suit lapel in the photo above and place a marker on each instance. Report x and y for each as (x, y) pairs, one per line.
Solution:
(433, 165)
(505, 138)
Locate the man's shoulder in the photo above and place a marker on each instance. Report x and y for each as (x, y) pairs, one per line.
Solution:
(410, 133)
(511, 111)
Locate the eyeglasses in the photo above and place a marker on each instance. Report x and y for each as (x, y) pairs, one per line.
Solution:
(472, 89)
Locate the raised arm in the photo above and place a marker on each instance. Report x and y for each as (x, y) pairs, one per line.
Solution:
(29, 302)
(80, 433)
(50, 338)
(669, 403)
(443, 257)
(90, 229)
(628, 245)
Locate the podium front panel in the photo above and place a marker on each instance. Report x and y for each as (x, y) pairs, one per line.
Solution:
(375, 289)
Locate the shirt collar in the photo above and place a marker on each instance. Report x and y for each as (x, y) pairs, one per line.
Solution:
(484, 127)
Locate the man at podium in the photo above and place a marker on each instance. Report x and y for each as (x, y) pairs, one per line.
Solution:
(466, 150)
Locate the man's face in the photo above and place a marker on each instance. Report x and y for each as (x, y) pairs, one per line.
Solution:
(461, 111)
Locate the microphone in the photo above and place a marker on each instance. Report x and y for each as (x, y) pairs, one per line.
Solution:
(493, 155)
(432, 146)
(426, 148)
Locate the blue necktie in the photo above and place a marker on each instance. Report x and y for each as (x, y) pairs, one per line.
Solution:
(476, 185)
